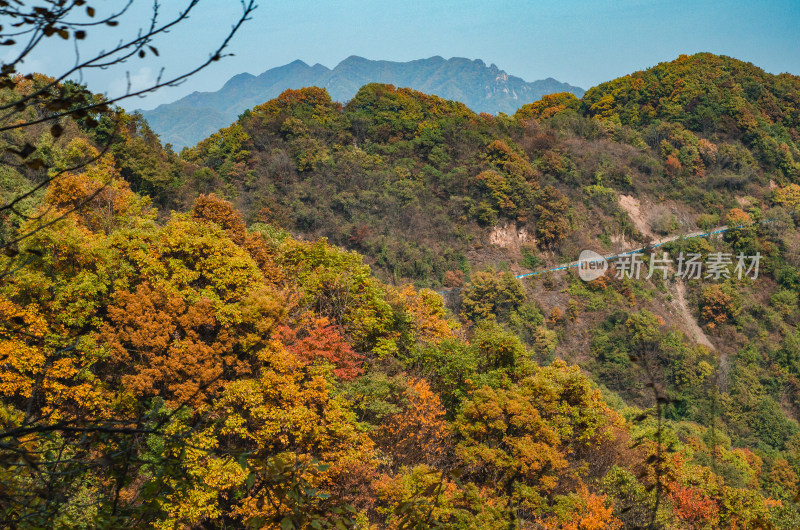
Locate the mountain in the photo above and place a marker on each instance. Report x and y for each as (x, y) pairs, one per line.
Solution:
(482, 88)
(260, 328)
(712, 95)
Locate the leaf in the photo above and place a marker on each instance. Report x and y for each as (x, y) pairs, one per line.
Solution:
(141, 54)
(56, 130)
(64, 34)
(80, 34)
(90, 11)
(287, 524)
(112, 23)
(154, 50)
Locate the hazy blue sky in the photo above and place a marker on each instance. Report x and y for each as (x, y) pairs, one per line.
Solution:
(582, 42)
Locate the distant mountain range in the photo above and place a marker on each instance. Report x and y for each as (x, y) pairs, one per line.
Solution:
(482, 88)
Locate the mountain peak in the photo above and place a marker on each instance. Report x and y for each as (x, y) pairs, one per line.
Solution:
(238, 80)
(354, 59)
(470, 81)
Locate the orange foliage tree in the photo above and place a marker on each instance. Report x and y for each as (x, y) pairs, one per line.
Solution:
(417, 434)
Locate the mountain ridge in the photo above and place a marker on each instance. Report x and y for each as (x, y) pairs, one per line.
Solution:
(482, 88)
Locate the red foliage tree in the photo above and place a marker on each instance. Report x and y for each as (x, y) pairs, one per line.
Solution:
(321, 340)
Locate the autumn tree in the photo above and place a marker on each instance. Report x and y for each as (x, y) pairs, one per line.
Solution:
(741, 233)
(552, 223)
(520, 437)
(531, 457)
(788, 197)
(33, 103)
(496, 348)
(509, 185)
(719, 304)
(582, 510)
(427, 497)
(548, 106)
(491, 294)
(417, 434)
(316, 340)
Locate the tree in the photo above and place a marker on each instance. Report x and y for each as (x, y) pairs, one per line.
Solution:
(317, 340)
(719, 303)
(32, 104)
(741, 232)
(582, 510)
(491, 294)
(552, 225)
(548, 106)
(519, 437)
(418, 433)
(788, 197)
(506, 441)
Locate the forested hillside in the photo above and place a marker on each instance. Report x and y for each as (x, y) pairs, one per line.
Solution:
(482, 88)
(244, 334)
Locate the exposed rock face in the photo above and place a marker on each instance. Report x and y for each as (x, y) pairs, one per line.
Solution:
(509, 236)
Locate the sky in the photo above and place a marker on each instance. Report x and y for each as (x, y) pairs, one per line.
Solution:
(581, 42)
